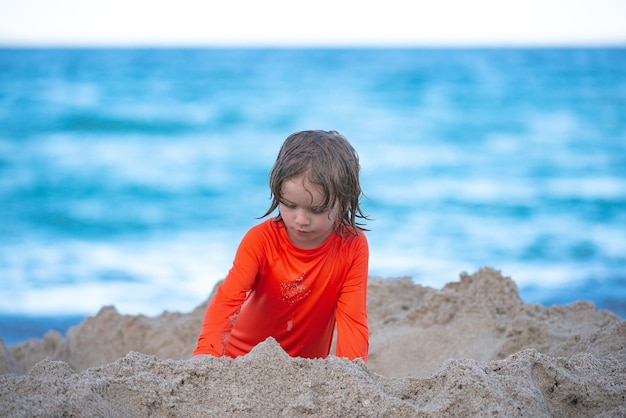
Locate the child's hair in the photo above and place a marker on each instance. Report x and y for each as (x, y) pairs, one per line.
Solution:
(327, 160)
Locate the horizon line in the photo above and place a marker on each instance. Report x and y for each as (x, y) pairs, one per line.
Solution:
(612, 44)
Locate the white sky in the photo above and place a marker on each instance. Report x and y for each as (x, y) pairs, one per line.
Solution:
(320, 22)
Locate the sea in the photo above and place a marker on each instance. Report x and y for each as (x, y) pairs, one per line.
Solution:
(128, 176)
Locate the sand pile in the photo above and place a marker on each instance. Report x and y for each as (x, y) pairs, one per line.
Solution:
(471, 348)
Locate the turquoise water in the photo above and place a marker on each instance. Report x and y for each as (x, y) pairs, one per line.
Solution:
(128, 177)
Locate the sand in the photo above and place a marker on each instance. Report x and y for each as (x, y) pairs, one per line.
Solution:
(472, 348)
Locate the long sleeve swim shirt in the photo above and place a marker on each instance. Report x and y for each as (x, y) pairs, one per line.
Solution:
(275, 289)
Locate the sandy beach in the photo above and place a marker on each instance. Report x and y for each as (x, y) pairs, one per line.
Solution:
(472, 348)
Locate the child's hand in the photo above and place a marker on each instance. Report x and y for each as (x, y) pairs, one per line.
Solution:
(199, 357)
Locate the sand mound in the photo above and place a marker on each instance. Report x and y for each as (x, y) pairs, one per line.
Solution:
(269, 383)
(471, 348)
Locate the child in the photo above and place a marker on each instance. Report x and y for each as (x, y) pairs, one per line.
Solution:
(296, 275)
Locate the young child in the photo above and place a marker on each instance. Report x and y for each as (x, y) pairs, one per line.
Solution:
(297, 275)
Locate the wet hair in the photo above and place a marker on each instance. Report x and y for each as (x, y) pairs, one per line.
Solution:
(327, 160)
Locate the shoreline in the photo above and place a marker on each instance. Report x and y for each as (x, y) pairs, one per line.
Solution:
(18, 328)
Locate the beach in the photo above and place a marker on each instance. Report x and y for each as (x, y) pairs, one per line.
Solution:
(471, 348)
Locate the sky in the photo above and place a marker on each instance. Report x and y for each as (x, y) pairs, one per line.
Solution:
(318, 23)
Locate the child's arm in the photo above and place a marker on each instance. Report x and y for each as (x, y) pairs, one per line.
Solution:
(220, 317)
(352, 326)
(221, 314)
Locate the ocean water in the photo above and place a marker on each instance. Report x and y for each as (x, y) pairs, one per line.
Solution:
(128, 176)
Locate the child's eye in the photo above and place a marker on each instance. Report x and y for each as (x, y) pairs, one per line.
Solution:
(288, 205)
(318, 211)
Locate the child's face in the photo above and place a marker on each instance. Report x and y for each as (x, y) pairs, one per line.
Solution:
(308, 223)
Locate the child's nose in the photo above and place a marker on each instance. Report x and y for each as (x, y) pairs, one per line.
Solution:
(302, 218)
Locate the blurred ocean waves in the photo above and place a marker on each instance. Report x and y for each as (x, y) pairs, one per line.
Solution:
(128, 177)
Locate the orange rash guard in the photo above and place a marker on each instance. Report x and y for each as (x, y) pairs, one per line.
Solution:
(275, 289)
